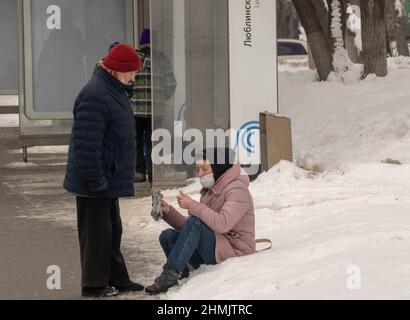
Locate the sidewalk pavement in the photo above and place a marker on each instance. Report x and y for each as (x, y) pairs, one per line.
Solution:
(28, 246)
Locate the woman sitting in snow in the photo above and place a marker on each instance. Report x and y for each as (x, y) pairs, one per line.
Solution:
(220, 226)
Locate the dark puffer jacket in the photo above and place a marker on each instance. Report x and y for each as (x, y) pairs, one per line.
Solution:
(101, 157)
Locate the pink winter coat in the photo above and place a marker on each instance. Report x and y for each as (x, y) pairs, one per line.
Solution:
(228, 210)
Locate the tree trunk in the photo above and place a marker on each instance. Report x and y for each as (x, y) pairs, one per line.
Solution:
(316, 37)
(343, 6)
(402, 45)
(288, 22)
(282, 19)
(396, 30)
(294, 31)
(374, 38)
(354, 55)
(390, 15)
(322, 13)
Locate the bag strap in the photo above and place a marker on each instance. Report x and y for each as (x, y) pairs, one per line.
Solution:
(264, 241)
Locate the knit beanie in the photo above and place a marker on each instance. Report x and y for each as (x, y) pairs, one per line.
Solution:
(123, 58)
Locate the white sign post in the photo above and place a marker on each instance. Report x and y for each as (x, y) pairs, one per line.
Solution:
(253, 72)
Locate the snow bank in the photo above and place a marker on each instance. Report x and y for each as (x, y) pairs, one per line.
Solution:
(353, 212)
(349, 123)
(320, 226)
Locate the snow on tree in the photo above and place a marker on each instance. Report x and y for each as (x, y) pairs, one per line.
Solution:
(302, 35)
(341, 60)
(398, 5)
(354, 24)
(396, 28)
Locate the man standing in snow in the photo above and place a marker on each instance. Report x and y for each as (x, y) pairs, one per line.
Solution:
(100, 170)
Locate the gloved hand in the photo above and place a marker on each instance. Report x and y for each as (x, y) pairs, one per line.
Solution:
(156, 212)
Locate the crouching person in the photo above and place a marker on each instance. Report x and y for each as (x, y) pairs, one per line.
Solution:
(220, 226)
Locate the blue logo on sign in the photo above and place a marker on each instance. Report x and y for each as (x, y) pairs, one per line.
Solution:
(245, 134)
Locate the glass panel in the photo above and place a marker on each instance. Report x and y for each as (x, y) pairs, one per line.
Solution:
(63, 59)
(221, 68)
(194, 46)
(59, 62)
(8, 47)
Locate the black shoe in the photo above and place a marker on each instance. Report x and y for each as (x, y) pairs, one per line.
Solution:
(168, 279)
(102, 292)
(131, 287)
(184, 274)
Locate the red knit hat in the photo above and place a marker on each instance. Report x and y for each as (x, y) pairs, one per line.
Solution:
(123, 58)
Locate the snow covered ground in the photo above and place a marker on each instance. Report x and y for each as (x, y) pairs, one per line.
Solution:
(320, 226)
(348, 222)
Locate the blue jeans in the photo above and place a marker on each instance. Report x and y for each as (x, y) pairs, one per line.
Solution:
(194, 244)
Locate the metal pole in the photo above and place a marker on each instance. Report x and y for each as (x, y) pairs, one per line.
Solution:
(25, 155)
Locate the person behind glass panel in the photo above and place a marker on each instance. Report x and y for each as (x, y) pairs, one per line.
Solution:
(141, 101)
(141, 106)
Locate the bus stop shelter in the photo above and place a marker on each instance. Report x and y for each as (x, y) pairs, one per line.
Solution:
(222, 53)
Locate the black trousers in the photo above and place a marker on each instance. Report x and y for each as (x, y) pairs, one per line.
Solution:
(100, 232)
(144, 146)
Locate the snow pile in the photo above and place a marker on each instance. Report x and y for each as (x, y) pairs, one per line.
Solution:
(338, 123)
(293, 64)
(352, 214)
(320, 226)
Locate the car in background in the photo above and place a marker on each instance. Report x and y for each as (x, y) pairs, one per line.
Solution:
(293, 52)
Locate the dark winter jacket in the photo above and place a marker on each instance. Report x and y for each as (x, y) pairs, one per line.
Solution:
(101, 158)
